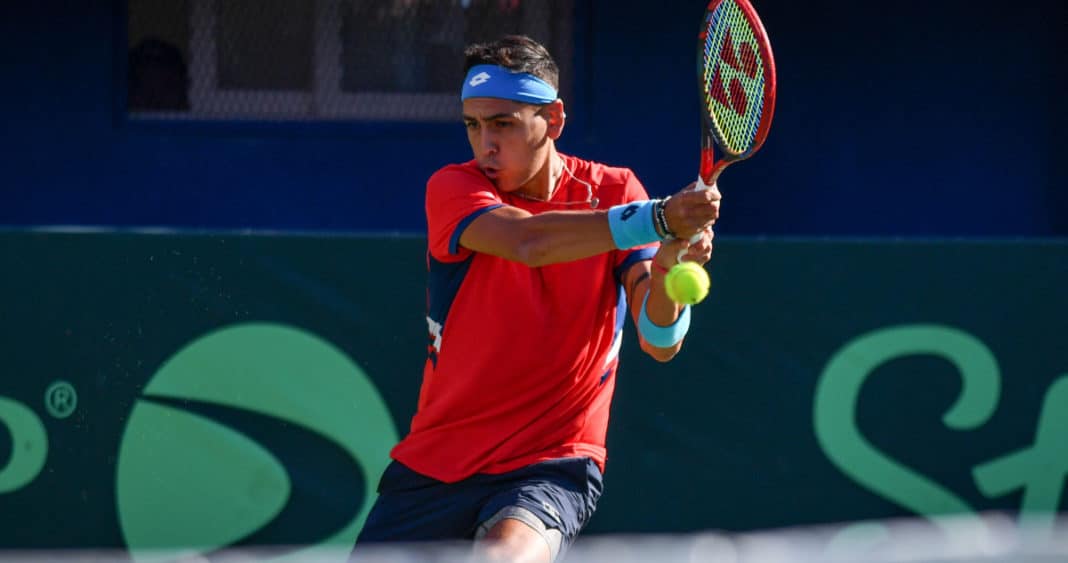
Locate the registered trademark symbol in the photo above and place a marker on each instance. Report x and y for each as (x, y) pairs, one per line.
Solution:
(61, 399)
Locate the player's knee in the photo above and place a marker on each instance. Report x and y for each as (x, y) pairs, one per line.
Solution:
(511, 551)
(513, 540)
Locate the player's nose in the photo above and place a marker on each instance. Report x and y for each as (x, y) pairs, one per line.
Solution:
(487, 145)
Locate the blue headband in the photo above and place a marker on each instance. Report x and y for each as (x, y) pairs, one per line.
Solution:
(492, 81)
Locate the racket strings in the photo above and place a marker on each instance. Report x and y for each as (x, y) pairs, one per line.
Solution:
(733, 75)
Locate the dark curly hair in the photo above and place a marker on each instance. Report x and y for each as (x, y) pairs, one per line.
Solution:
(517, 53)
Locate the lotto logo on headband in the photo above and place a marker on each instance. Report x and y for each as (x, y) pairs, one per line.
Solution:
(478, 79)
(492, 81)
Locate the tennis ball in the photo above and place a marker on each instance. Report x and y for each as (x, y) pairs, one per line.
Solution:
(687, 283)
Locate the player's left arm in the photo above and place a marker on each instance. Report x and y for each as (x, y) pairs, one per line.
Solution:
(648, 277)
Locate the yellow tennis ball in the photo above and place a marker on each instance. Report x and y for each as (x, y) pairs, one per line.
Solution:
(687, 283)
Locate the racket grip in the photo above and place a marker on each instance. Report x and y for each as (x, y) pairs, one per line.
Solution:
(700, 186)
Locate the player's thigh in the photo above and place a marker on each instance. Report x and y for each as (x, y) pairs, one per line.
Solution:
(411, 507)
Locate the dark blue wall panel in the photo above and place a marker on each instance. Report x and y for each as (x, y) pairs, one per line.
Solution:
(908, 119)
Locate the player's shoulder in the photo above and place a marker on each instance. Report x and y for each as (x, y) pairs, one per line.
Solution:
(454, 175)
(615, 184)
(599, 173)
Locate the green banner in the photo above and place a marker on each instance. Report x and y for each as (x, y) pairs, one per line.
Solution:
(217, 390)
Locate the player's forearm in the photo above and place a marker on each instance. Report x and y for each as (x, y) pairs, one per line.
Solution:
(563, 236)
(644, 283)
(660, 308)
(661, 311)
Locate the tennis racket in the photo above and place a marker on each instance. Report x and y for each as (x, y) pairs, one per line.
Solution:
(736, 79)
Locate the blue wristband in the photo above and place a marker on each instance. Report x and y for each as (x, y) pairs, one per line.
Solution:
(663, 336)
(632, 224)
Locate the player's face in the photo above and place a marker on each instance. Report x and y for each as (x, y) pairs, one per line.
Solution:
(509, 139)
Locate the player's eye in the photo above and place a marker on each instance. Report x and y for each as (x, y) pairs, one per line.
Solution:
(471, 124)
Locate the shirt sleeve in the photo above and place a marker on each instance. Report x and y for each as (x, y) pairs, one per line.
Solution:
(454, 198)
(633, 190)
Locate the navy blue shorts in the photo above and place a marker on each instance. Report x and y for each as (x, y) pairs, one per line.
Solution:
(562, 493)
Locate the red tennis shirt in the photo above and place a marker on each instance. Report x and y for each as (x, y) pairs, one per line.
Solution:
(521, 361)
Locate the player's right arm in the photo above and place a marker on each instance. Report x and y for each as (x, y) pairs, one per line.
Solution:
(539, 240)
(465, 214)
(561, 236)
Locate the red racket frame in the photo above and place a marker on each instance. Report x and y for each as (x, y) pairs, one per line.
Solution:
(710, 168)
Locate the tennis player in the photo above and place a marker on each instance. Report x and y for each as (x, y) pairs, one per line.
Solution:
(535, 257)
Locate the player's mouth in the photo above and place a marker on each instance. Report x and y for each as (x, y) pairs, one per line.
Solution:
(491, 172)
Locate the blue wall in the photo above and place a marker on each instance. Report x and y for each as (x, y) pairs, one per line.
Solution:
(910, 119)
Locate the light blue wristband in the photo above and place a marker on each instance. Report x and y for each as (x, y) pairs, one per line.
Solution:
(663, 336)
(632, 224)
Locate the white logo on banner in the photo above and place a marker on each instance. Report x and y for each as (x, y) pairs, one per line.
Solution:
(479, 78)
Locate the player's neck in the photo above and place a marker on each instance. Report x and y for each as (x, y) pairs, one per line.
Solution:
(545, 183)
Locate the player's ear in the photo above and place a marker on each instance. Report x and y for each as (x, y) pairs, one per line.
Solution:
(554, 114)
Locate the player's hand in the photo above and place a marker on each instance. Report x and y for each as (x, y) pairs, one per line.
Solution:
(689, 212)
(699, 251)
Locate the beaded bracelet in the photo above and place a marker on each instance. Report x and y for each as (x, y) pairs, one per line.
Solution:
(661, 219)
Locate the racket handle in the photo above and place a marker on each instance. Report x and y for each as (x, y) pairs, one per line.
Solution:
(702, 186)
(699, 187)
